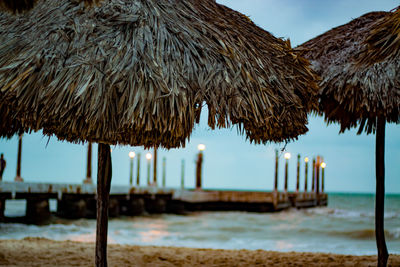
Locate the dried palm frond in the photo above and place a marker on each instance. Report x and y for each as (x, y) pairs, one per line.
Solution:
(19, 6)
(384, 40)
(16, 6)
(350, 93)
(138, 72)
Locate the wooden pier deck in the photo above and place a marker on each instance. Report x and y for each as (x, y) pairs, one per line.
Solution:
(79, 200)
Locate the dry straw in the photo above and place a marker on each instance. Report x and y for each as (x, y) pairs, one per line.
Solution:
(138, 73)
(19, 6)
(383, 43)
(354, 94)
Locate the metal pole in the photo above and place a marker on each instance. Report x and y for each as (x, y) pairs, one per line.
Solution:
(298, 173)
(276, 170)
(183, 174)
(286, 174)
(155, 167)
(138, 170)
(164, 171)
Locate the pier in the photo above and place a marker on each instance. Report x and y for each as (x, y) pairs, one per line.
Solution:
(79, 200)
(76, 201)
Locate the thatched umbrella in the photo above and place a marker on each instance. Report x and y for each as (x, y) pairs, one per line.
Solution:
(138, 72)
(19, 6)
(354, 93)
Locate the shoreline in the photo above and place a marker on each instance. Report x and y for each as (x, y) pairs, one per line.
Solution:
(32, 251)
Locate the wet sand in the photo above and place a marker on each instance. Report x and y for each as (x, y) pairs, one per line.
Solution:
(45, 252)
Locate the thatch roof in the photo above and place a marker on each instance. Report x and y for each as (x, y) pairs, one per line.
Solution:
(352, 94)
(138, 72)
(19, 6)
(383, 43)
(16, 6)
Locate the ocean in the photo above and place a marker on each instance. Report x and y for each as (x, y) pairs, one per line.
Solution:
(345, 226)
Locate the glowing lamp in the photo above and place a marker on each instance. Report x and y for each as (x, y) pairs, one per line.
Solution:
(148, 156)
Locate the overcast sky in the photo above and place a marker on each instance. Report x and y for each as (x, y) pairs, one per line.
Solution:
(229, 160)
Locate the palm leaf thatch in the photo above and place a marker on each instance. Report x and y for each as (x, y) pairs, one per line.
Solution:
(138, 72)
(383, 43)
(16, 6)
(351, 94)
(19, 6)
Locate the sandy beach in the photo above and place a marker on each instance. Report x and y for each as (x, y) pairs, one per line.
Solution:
(45, 252)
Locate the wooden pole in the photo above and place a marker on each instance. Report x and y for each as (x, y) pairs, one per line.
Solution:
(298, 173)
(380, 193)
(148, 172)
(276, 170)
(164, 164)
(286, 174)
(104, 173)
(18, 177)
(318, 163)
(131, 171)
(138, 170)
(322, 177)
(313, 176)
(89, 164)
(198, 170)
(183, 174)
(155, 167)
(306, 174)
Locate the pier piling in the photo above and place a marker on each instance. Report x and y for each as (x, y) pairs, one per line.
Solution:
(298, 174)
(88, 179)
(138, 170)
(317, 165)
(155, 167)
(164, 164)
(287, 157)
(305, 174)
(182, 174)
(276, 170)
(313, 176)
(37, 210)
(18, 177)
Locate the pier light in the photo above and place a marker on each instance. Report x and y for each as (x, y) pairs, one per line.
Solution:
(306, 159)
(323, 165)
(287, 155)
(132, 154)
(201, 147)
(148, 156)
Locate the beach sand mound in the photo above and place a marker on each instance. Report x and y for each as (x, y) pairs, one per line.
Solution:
(44, 252)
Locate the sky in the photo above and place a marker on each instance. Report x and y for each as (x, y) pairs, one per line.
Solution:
(230, 161)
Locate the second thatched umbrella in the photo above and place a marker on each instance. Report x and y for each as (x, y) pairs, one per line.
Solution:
(360, 92)
(138, 72)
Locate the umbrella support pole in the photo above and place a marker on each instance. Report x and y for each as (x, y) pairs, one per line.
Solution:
(380, 193)
(104, 172)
